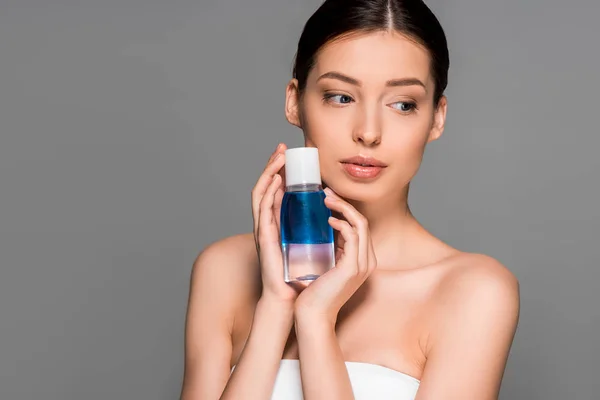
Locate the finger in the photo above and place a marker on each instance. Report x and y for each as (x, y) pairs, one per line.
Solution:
(357, 221)
(282, 148)
(266, 210)
(337, 204)
(263, 183)
(338, 240)
(350, 241)
(274, 154)
(260, 187)
(277, 205)
(270, 170)
(282, 174)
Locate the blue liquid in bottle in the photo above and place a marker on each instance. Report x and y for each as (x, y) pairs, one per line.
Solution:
(306, 236)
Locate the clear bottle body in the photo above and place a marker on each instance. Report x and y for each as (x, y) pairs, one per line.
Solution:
(306, 236)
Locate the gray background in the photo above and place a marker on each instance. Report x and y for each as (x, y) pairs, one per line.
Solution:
(131, 134)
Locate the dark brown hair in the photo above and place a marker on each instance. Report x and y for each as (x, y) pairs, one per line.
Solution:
(336, 18)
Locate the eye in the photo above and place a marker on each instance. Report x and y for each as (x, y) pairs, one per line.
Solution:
(338, 98)
(404, 106)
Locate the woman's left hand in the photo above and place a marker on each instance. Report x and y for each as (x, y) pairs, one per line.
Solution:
(323, 298)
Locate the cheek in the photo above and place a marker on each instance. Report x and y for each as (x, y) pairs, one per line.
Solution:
(325, 126)
(321, 131)
(407, 135)
(405, 145)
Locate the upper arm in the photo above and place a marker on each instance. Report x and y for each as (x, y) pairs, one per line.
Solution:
(212, 302)
(478, 315)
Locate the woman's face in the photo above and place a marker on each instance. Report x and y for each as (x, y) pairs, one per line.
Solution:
(368, 95)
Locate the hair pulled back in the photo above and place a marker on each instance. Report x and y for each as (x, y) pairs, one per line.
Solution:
(337, 18)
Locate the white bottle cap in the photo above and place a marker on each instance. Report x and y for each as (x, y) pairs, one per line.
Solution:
(302, 166)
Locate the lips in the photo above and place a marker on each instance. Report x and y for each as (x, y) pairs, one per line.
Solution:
(364, 161)
(363, 167)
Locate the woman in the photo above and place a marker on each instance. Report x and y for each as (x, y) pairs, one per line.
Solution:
(402, 315)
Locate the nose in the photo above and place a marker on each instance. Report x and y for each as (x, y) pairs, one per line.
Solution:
(368, 129)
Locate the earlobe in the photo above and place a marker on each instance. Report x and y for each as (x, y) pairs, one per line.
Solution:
(439, 120)
(292, 103)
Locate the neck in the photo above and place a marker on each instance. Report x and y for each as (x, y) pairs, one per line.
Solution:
(388, 217)
(398, 238)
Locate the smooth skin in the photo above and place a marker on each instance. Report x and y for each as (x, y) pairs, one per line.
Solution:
(398, 296)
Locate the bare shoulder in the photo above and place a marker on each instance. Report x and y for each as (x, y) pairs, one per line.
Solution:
(221, 282)
(240, 245)
(227, 265)
(478, 277)
(477, 289)
(475, 310)
(225, 252)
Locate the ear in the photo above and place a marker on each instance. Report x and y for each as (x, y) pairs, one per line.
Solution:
(292, 103)
(439, 120)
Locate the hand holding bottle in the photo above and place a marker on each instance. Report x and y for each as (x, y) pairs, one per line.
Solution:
(323, 299)
(267, 195)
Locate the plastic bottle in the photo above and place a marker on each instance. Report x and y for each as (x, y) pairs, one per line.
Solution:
(306, 236)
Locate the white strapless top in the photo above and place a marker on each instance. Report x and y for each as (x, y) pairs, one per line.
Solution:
(369, 382)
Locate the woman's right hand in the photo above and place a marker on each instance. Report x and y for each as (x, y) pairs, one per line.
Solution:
(267, 196)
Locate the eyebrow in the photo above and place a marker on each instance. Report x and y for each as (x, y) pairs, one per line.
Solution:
(391, 83)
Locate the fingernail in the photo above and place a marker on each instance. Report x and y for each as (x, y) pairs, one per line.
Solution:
(277, 157)
(328, 191)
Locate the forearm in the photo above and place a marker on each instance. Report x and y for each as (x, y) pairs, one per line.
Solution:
(322, 367)
(254, 375)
